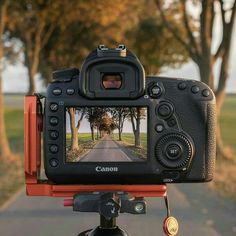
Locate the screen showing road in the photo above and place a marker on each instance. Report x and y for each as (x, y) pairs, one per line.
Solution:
(106, 134)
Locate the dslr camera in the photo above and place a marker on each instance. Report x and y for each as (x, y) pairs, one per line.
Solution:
(108, 123)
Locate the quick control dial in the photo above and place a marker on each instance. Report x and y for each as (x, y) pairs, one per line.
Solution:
(174, 150)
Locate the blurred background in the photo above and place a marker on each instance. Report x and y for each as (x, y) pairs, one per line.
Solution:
(190, 39)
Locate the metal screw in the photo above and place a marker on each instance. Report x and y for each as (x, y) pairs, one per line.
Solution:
(139, 207)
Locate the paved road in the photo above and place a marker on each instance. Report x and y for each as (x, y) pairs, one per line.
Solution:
(106, 151)
(199, 210)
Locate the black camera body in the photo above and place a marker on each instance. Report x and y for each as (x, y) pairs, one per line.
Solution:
(109, 124)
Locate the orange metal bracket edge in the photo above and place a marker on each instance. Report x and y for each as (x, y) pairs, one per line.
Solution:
(32, 153)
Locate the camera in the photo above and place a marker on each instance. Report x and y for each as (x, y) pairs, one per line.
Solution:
(108, 123)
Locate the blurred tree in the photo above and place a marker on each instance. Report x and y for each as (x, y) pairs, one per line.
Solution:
(198, 41)
(89, 24)
(33, 22)
(5, 152)
(153, 43)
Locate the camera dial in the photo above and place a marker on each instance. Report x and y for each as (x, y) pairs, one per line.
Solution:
(174, 150)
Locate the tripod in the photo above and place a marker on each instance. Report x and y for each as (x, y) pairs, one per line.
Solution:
(109, 205)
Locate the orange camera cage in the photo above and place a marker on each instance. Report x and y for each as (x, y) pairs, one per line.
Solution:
(33, 123)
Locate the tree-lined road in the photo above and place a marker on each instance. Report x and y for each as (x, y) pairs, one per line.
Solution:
(198, 209)
(106, 150)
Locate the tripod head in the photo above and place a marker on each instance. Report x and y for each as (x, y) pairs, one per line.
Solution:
(108, 205)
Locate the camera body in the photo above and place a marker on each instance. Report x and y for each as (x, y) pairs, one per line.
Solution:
(109, 124)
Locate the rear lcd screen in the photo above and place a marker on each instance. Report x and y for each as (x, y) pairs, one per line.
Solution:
(106, 134)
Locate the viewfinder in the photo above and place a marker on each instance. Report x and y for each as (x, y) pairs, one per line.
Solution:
(112, 81)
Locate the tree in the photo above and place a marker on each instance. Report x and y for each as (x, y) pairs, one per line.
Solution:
(106, 125)
(136, 114)
(119, 114)
(34, 22)
(89, 24)
(75, 125)
(5, 152)
(198, 42)
(153, 43)
(91, 117)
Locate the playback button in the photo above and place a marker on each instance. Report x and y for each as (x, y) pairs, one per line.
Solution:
(53, 162)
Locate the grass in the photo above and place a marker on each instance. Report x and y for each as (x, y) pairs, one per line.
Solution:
(225, 179)
(228, 122)
(82, 138)
(85, 143)
(129, 138)
(11, 173)
(128, 143)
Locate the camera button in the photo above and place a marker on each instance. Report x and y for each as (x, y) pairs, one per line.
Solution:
(53, 120)
(173, 151)
(165, 110)
(155, 91)
(205, 93)
(182, 85)
(53, 107)
(53, 134)
(171, 174)
(53, 162)
(57, 91)
(195, 89)
(171, 122)
(159, 128)
(70, 91)
(53, 148)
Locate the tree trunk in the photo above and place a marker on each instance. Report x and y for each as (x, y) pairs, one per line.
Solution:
(206, 73)
(137, 139)
(220, 96)
(32, 62)
(32, 88)
(120, 138)
(137, 132)
(92, 132)
(5, 152)
(74, 130)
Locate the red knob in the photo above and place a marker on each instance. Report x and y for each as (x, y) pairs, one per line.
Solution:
(68, 202)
